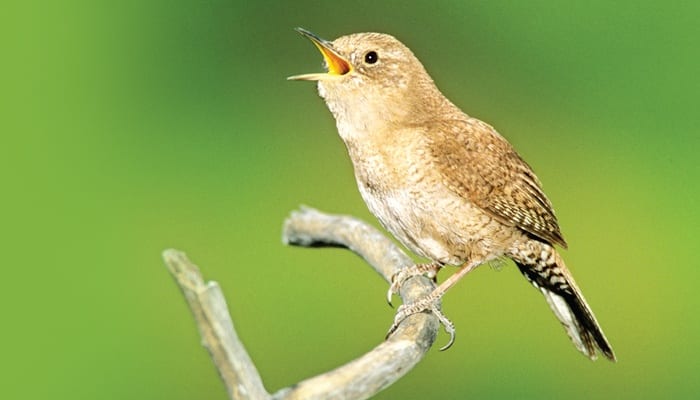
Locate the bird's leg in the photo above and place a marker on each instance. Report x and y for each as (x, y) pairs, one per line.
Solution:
(430, 270)
(431, 303)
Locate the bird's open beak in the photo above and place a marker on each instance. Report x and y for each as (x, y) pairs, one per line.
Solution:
(336, 64)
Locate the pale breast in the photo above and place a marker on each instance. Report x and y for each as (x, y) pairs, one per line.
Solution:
(395, 212)
(403, 189)
(435, 223)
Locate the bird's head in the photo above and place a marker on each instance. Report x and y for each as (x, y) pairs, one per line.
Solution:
(370, 78)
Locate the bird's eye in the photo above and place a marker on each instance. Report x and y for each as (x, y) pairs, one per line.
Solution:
(371, 57)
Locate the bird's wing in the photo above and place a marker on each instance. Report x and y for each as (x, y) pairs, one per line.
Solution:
(481, 166)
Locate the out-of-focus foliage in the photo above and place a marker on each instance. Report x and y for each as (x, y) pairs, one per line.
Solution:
(129, 127)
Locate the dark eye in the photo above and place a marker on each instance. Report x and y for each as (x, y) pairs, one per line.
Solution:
(371, 57)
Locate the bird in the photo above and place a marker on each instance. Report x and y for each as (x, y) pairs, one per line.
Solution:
(446, 185)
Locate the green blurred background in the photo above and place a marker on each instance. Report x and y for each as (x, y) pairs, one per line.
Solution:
(130, 127)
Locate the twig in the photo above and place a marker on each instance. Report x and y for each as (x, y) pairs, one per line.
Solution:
(358, 379)
(211, 314)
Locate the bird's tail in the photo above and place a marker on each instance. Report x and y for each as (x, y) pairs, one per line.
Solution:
(549, 274)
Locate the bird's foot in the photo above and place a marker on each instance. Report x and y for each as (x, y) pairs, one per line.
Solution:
(431, 303)
(429, 270)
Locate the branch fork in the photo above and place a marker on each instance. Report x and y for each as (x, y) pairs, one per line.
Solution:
(358, 379)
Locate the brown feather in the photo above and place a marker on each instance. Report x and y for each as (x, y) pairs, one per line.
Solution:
(481, 166)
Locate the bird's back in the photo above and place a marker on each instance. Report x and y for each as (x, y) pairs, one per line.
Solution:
(479, 165)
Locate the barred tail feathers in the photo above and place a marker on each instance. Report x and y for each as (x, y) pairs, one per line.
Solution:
(549, 274)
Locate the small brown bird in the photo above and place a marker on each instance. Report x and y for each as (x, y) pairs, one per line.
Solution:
(445, 184)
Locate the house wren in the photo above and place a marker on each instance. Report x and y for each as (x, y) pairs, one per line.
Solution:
(445, 184)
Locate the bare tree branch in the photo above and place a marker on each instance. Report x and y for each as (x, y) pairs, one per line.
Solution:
(211, 314)
(358, 379)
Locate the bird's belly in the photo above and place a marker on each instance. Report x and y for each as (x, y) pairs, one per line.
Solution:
(436, 224)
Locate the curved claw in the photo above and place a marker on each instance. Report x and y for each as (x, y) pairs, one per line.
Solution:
(391, 330)
(397, 320)
(449, 327)
(404, 274)
(396, 281)
(428, 303)
(449, 344)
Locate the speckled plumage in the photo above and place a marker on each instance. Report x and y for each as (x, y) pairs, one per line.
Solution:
(446, 185)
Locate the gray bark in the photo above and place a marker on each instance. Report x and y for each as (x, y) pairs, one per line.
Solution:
(358, 379)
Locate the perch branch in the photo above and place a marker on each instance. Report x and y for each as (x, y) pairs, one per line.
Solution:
(358, 379)
(213, 319)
